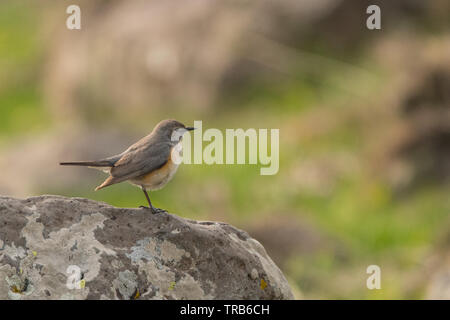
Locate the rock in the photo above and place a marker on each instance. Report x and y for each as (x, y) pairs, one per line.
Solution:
(139, 57)
(143, 56)
(53, 247)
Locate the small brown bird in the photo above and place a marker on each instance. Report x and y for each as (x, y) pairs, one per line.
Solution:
(148, 163)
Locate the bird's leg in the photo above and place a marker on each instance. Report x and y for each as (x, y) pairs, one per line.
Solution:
(148, 200)
(151, 207)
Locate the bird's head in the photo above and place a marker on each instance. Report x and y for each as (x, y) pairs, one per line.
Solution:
(171, 129)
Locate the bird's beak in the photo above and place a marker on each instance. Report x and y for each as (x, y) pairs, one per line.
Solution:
(190, 128)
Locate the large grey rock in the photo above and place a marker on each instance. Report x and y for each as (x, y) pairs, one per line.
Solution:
(53, 247)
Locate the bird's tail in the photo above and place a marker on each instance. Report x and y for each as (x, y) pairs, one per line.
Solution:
(100, 163)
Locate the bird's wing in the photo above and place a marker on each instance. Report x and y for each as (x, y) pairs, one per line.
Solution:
(141, 160)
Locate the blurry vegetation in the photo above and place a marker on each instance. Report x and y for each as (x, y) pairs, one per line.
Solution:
(325, 107)
(20, 61)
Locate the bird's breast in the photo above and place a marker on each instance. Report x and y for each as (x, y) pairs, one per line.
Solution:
(159, 177)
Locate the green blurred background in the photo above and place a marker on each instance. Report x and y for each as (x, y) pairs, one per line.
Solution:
(364, 119)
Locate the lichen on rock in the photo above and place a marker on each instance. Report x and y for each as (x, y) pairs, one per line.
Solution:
(53, 247)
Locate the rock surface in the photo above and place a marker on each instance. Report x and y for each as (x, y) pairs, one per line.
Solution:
(53, 247)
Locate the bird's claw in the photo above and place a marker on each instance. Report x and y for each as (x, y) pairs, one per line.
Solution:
(153, 209)
(159, 210)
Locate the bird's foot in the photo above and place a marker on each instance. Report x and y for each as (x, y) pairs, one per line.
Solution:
(153, 209)
(159, 210)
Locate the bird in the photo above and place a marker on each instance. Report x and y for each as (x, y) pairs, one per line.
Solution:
(149, 163)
